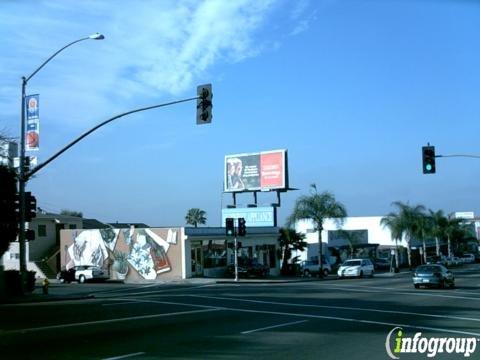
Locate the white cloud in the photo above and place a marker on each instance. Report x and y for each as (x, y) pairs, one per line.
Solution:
(151, 47)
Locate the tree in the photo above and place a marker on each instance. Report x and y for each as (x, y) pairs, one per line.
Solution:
(318, 207)
(407, 221)
(67, 212)
(392, 222)
(290, 240)
(353, 238)
(438, 223)
(8, 217)
(196, 216)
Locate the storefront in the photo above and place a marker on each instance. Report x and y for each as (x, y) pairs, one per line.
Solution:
(159, 254)
(209, 251)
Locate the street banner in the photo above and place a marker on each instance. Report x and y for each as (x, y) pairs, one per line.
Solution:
(262, 171)
(32, 139)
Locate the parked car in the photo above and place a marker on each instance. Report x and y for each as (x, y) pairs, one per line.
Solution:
(467, 258)
(249, 268)
(356, 268)
(381, 264)
(311, 267)
(82, 273)
(433, 275)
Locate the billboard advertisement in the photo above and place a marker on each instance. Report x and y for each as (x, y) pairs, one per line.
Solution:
(260, 171)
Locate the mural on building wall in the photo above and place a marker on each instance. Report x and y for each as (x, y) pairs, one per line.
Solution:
(143, 250)
(88, 248)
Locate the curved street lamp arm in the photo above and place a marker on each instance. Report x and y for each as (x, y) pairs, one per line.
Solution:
(51, 57)
(28, 174)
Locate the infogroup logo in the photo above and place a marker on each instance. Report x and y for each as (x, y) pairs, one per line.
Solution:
(432, 346)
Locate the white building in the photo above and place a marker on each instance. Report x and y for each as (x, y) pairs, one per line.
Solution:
(372, 236)
(8, 151)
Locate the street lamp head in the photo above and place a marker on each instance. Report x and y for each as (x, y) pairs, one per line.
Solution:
(97, 36)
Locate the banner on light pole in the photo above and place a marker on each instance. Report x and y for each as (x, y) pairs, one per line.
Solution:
(32, 140)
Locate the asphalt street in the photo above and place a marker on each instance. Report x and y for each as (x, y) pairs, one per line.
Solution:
(324, 319)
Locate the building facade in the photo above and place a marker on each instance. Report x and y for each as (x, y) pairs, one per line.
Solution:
(159, 254)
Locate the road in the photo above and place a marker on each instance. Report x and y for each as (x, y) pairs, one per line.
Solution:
(326, 319)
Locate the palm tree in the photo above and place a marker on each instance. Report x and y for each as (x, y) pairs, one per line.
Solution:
(452, 228)
(352, 237)
(196, 216)
(438, 222)
(290, 240)
(317, 207)
(408, 223)
(422, 228)
(392, 222)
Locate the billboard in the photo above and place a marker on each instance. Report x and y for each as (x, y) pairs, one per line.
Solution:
(266, 170)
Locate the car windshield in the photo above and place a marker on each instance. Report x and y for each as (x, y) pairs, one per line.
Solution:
(352, 263)
(429, 269)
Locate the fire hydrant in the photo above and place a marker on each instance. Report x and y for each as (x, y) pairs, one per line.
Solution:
(45, 284)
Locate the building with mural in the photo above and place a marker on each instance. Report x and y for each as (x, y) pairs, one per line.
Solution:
(162, 254)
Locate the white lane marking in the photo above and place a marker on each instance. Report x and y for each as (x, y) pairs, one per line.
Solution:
(97, 322)
(338, 308)
(357, 321)
(390, 288)
(273, 327)
(379, 291)
(124, 356)
(122, 303)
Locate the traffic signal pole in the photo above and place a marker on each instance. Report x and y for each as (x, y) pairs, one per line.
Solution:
(236, 257)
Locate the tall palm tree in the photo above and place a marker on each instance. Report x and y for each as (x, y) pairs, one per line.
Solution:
(392, 222)
(438, 222)
(422, 228)
(408, 223)
(317, 207)
(196, 216)
(452, 227)
(352, 237)
(290, 240)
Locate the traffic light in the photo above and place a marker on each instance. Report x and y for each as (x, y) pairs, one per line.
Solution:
(242, 229)
(229, 227)
(428, 159)
(30, 206)
(204, 104)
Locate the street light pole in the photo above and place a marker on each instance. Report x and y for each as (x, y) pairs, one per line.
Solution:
(22, 179)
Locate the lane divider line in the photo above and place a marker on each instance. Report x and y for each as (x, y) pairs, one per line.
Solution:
(273, 327)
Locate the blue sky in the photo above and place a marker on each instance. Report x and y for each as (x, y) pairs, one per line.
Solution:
(352, 88)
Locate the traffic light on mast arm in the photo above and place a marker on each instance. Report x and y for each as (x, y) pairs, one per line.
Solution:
(204, 104)
(229, 227)
(30, 206)
(242, 228)
(428, 159)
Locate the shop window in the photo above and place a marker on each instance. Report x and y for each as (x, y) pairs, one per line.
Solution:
(214, 253)
(42, 230)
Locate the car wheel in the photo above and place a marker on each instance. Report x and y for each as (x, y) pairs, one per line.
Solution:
(372, 274)
(361, 274)
(325, 272)
(306, 273)
(81, 279)
(441, 285)
(416, 286)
